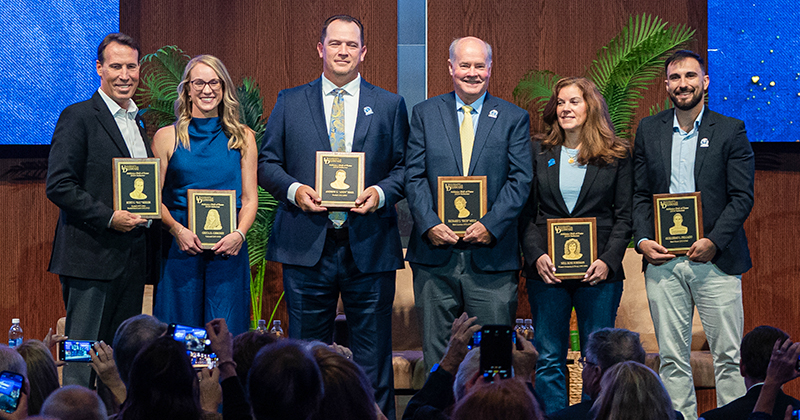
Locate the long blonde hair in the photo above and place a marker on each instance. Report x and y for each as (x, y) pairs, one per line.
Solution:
(599, 144)
(228, 108)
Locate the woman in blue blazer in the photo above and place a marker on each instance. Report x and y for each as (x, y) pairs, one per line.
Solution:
(581, 169)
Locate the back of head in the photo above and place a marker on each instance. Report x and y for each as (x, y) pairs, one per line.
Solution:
(609, 346)
(162, 384)
(245, 348)
(42, 373)
(632, 391)
(756, 350)
(74, 402)
(466, 371)
(134, 334)
(12, 361)
(284, 382)
(503, 399)
(348, 392)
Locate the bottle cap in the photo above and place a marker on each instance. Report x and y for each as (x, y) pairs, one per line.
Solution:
(519, 320)
(15, 320)
(276, 322)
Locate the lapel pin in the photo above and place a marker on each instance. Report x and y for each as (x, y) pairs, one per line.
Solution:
(704, 142)
(367, 110)
(551, 162)
(493, 113)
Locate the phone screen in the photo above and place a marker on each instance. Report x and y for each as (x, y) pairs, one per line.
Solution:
(10, 386)
(193, 337)
(75, 351)
(496, 347)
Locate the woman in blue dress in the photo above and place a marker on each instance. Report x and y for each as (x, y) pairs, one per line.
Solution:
(207, 148)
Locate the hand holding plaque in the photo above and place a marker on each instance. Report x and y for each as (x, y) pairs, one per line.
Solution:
(137, 186)
(678, 221)
(462, 201)
(339, 178)
(212, 214)
(572, 246)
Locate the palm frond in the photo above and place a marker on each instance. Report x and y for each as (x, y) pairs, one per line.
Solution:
(655, 109)
(158, 89)
(251, 108)
(536, 86)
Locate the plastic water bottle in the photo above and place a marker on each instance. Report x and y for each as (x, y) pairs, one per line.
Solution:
(262, 327)
(15, 334)
(528, 328)
(520, 328)
(276, 329)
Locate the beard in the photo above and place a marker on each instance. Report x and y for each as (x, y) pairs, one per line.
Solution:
(690, 103)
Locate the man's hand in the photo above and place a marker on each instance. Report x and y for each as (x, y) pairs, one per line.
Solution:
(477, 234)
(596, 273)
(125, 221)
(367, 202)
(782, 366)
(222, 345)
(103, 363)
(525, 356)
(460, 333)
(308, 200)
(654, 253)
(703, 250)
(210, 389)
(442, 235)
(545, 268)
(50, 341)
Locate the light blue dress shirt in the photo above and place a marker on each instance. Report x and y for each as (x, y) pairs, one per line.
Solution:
(684, 146)
(570, 177)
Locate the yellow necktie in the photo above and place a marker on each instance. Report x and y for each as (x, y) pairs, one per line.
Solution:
(467, 138)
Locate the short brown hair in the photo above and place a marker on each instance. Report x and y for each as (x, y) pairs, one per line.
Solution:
(346, 18)
(119, 38)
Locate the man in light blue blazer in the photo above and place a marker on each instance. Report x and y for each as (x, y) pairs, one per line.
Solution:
(476, 273)
(328, 253)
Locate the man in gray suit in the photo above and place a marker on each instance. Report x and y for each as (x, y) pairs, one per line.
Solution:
(99, 253)
(692, 148)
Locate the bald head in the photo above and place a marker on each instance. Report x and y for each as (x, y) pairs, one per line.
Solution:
(74, 402)
(470, 67)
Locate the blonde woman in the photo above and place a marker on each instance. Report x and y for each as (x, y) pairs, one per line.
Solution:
(207, 148)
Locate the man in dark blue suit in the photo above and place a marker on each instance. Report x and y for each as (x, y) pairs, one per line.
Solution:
(328, 253)
(461, 133)
(681, 150)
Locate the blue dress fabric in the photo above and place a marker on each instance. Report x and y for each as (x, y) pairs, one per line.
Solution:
(195, 289)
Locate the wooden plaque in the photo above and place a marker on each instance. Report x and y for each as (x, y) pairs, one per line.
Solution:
(679, 220)
(212, 214)
(339, 178)
(572, 245)
(137, 186)
(461, 202)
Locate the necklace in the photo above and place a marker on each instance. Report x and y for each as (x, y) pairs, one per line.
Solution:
(572, 156)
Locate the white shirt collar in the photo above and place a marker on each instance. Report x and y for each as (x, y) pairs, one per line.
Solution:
(114, 107)
(351, 88)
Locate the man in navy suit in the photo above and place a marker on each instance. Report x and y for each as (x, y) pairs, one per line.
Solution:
(692, 148)
(99, 253)
(326, 253)
(476, 273)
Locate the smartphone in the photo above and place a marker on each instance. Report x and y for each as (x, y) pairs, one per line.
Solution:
(796, 413)
(75, 351)
(194, 338)
(10, 390)
(497, 343)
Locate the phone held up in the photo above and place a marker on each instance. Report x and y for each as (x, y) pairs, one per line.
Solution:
(75, 351)
(198, 346)
(10, 390)
(497, 343)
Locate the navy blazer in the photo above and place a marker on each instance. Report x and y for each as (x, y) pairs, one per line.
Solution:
(295, 131)
(501, 152)
(79, 181)
(723, 173)
(605, 195)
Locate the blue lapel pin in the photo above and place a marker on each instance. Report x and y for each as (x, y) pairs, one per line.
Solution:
(704, 142)
(493, 113)
(367, 110)
(551, 162)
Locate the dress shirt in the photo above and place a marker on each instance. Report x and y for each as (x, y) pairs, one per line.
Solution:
(570, 178)
(684, 146)
(476, 111)
(126, 121)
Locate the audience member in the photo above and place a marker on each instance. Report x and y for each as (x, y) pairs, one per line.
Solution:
(348, 392)
(42, 373)
(501, 399)
(782, 368)
(234, 403)
(74, 402)
(632, 391)
(12, 361)
(162, 384)
(284, 383)
(756, 350)
(245, 348)
(134, 334)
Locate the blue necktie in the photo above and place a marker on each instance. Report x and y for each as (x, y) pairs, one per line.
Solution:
(337, 145)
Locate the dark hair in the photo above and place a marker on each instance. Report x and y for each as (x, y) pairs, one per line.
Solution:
(119, 38)
(348, 391)
(74, 402)
(681, 55)
(284, 383)
(346, 18)
(507, 398)
(245, 347)
(162, 384)
(632, 391)
(132, 335)
(756, 350)
(42, 373)
(609, 346)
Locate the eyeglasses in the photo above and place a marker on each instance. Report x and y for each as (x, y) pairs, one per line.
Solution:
(583, 362)
(199, 84)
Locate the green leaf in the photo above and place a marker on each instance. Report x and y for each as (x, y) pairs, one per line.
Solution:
(161, 73)
(537, 87)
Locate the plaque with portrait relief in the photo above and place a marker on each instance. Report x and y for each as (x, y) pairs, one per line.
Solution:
(679, 221)
(572, 245)
(339, 178)
(461, 202)
(212, 214)
(137, 186)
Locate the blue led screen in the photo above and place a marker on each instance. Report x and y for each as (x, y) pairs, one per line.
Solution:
(754, 66)
(48, 50)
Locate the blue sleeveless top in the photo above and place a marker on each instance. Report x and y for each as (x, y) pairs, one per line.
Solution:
(208, 165)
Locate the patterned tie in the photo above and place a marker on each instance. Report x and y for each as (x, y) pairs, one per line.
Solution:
(467, 138)
(337, 145)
